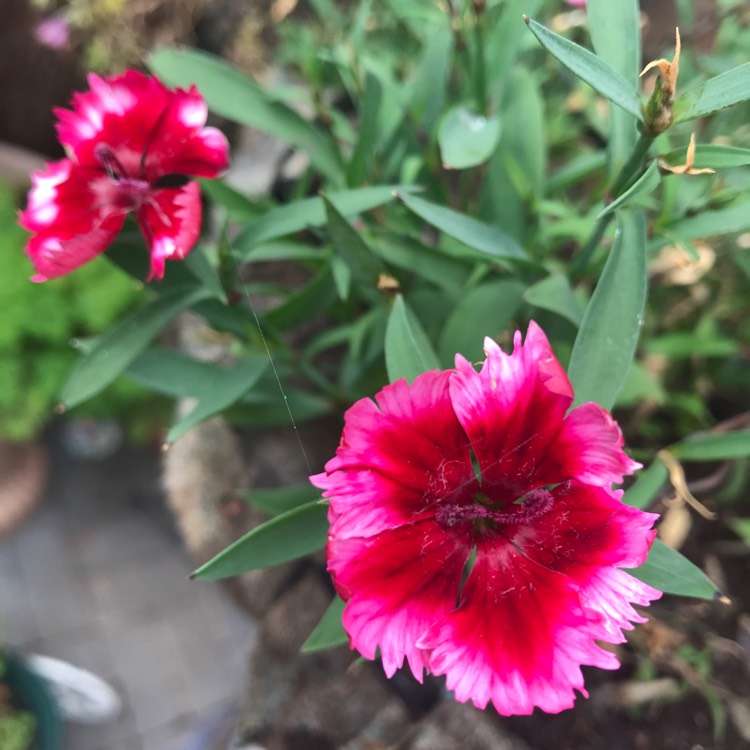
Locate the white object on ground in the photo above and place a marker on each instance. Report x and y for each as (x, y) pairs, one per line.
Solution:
(81, 696)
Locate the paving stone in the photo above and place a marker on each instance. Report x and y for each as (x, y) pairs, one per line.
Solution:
(123, 592)
(149, 664)
(220, 672)
(124, 536)
(56, 590)
(18, 622)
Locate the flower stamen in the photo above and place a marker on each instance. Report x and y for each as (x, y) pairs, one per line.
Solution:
(534, 505)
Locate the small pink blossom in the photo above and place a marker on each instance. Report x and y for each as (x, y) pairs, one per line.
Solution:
(576, 3)
(487, 462)
(53, 32)
(132, 145)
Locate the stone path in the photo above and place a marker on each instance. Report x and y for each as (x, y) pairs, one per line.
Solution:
(98, 577)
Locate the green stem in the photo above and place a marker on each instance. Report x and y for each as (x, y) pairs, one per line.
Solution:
(630, 171)
(583, 259)
(633, 166)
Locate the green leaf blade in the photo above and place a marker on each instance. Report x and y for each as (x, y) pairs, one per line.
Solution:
(717, 447)
(589, 68)
(554, 293)
(329, 632)
(719, 92)
(230, 93)
(669, 571)
(286, 537)
(643, 186)
(606, 340)
(487, 239)
(646, 486)
(352, 249)
(466, 138)
(277, 500)
(408, 351)
(121, 344)
(616, 36)
(310, 212)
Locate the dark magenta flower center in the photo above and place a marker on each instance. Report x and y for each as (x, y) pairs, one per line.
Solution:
(128, 193)
(533, 505)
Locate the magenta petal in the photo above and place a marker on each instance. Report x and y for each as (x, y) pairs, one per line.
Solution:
(120, 111)
(171, 223)
(589, 447)
(181, 145)
(587, 536)
(70, 225)
(398, 456)
(512, 410)
(396, 585)
(519, 637)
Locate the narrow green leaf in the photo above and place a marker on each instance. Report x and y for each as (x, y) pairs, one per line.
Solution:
(669, 571)
(741, 527)
(554, 293)
(238, 206)
(589, 68)
(607, 337)
(647, 486)
(640, 385)
(466, 138)
(311, 212)
(129, 253)
(364, 151)
(504, 42)
(488, 239)
(214, 387)
(733, 218)
(352, 249)
(329, 632)
(717, 93)
(435, 264)
(408, 351)
(576, 170)
(643, 186)
(708, 156)
(201, 267)
(484, 310)
(616, 36)
(122, 343)
(305, 303)
(523, 147)
(428, 83)
(713, 447)
(230, 93)
(285, 250)
(269, 407)
(277, 500)
(286, 537)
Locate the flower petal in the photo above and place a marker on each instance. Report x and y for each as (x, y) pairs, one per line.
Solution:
(396, 585)
(70, 224)
(586, 536)
(589, 447)
(398, 456)
(171, 223)
(121, 112)
(512, 410)
(519, 637)
(181, 145)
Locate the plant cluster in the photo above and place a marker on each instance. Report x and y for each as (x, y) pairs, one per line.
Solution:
(468, 170)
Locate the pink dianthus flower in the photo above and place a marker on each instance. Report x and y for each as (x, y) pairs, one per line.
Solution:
(132, 145)
(486, 464)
